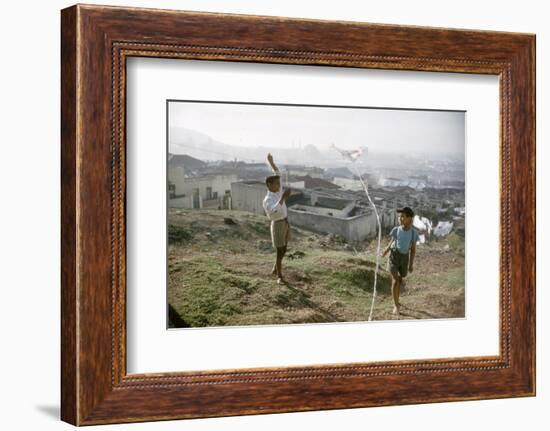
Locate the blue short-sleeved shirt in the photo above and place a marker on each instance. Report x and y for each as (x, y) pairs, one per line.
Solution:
(404, 238)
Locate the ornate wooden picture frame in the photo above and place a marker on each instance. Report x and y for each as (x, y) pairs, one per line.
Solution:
(96, 41)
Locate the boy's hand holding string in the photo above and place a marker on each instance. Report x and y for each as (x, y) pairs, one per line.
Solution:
(387, 248)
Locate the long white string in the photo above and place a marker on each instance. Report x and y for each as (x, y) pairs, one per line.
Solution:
(379, 239)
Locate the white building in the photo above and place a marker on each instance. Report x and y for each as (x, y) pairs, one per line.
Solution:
(348, 183)
(210, 191)
(316, 211)
(248, 196)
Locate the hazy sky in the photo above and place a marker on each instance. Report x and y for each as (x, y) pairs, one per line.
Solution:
(388, 130)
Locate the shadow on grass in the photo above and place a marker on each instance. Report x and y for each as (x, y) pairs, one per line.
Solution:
(295, 297)
(175, 320)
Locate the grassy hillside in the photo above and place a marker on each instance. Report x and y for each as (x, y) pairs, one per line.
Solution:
(219, 274)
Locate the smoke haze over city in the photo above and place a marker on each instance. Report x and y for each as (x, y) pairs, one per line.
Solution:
(305, 134)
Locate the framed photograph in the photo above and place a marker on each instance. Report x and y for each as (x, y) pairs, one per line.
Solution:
(266, 214)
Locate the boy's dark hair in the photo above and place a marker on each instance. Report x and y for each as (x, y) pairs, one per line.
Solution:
(271, 179)
(407, 211)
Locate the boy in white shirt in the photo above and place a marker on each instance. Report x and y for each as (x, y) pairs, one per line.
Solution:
(274, 205)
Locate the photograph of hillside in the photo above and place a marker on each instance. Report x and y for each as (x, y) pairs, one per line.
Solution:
(297, 214)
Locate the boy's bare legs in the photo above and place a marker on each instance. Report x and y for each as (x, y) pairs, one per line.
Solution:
(277, 267)
(278, 264)
(395, 286)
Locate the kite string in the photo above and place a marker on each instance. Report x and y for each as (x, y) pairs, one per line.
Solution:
(379, 239)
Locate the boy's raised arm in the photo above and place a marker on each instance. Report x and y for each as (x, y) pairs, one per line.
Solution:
(271, 162)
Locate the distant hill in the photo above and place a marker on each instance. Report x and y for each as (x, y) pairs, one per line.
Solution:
(202, 146)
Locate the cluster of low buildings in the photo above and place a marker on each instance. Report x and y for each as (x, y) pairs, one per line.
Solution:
(327, 201)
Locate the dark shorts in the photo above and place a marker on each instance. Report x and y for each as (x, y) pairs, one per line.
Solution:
(399, 263)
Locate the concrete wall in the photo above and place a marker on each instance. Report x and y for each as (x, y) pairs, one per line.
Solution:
(181, 202)
(356, 228)
(388, 219)
(321, 210)
(211, 203)
(347, 183)
(176, 177)
(318, 222)
(248, 196)
(186, 186)
(296, 184)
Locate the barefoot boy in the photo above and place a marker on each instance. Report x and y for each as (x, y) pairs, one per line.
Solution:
(403, 248)
(275, 207)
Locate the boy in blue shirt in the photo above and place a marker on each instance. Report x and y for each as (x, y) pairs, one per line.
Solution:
(403, 248)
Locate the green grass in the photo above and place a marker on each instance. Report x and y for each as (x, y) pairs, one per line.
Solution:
(224, 278)
(177, 234)
(323, 286)
(456, 242)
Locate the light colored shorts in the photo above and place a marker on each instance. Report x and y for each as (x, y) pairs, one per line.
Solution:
(280, 233)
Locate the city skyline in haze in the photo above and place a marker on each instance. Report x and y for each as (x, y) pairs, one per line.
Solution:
(218, 131)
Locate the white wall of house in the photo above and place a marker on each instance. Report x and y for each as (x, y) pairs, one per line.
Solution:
(313, 173)
(207, 188)
(355, 228)
(181, 202)
(297, 184)
(248, 196)
(329, 212)
(348, 183)
(176, 177)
